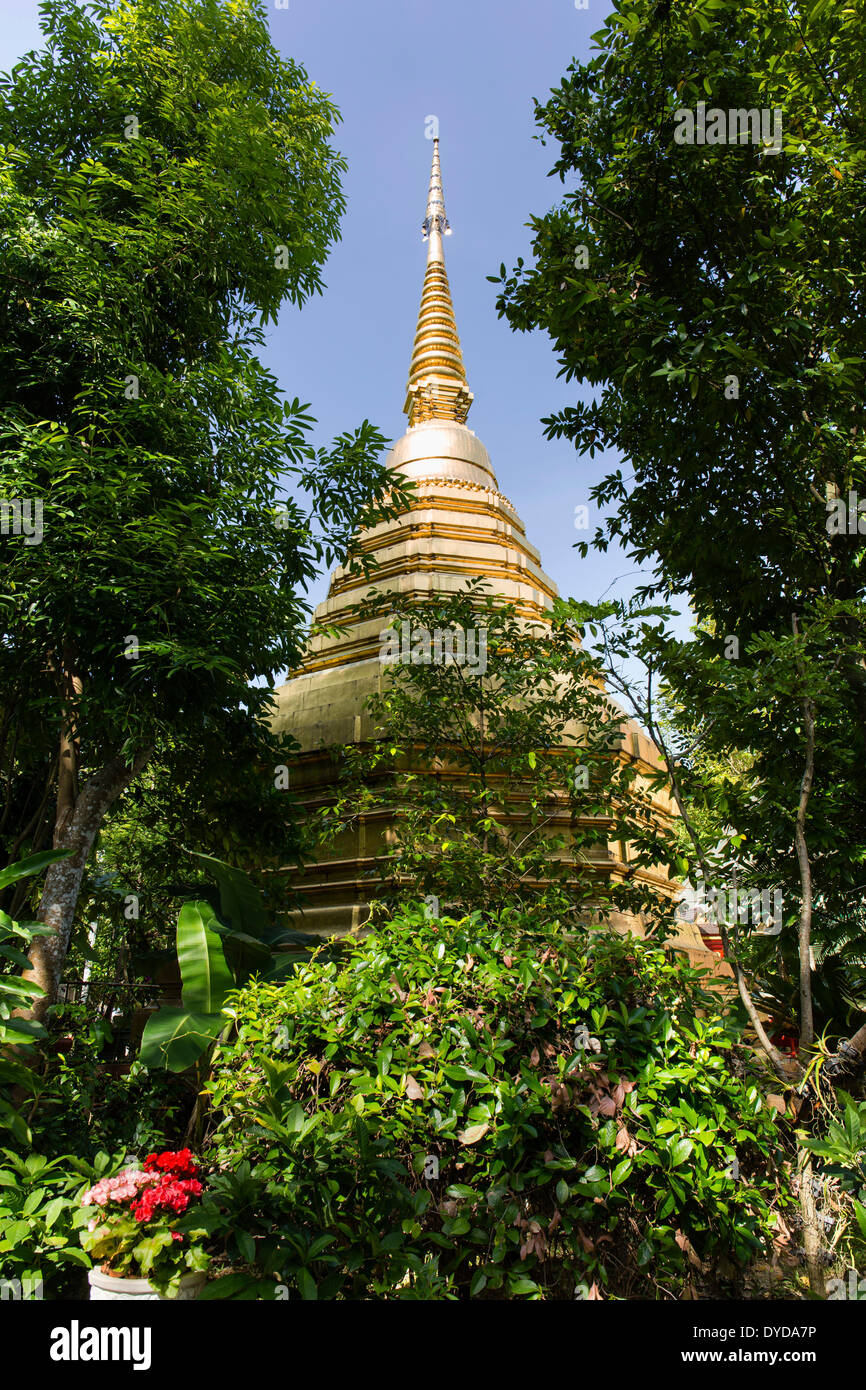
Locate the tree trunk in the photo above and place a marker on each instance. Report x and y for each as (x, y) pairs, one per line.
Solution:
(807, 1024)
(77, 828)
(811, 1231)
(776, 1059)
(849, 1059)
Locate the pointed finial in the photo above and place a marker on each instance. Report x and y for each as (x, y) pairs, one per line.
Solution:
(436, 218)
(437, 387)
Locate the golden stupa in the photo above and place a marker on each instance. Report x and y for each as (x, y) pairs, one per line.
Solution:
(458, 527)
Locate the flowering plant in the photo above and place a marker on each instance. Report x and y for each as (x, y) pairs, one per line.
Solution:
(132, 1221)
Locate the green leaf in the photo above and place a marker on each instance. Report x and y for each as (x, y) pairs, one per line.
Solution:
(23, 1030)
(680, 1151)
(241, 905)
(206, 977)
(228, 1287)
(147, 1251)
(175, 1038)
(644, 1253)
(16, 1232)
(12, 953)
(246, 1245)
(53, 1210)
(522, 1286)
(77, 1257)
(10, 1119)
(621, 1171)
(34, 864)
(245, 956)
(33, 1201)
(15, 985)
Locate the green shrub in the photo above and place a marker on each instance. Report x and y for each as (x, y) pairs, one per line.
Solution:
(40, 1213)
(74, 1103)
(16, 992)
(841, 1154)
(66, 1111)
(416, 1120)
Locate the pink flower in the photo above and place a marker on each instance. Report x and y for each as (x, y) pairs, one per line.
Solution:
(163, 1184)
(118, 1189)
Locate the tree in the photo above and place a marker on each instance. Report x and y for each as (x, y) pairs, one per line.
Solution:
(499, 767)
(222, 800)
(781, 813)
(167, 182)
(706, 274)
(711, 292)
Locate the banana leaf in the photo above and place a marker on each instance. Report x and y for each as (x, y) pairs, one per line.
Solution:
(204, 970)
(245, 955)
(241, 905)
(175, 1038)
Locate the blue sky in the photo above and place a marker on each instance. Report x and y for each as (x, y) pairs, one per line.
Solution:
(476, 65)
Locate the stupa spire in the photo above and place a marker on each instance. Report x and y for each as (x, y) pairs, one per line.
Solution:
(436, 220)
(437, 388)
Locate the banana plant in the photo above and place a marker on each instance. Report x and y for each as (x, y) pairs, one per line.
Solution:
(255, 944)
(174, 1037)
(217, 950)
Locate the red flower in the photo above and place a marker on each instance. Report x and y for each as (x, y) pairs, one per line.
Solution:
(180, 1162)
(168, 1194)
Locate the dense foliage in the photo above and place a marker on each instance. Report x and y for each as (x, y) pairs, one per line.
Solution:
(167, 181)
(702, 277)
(493, 1109)
(710, 265)
(39, 1207)
(503, 1099)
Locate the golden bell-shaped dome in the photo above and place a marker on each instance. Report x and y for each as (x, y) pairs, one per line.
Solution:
(444, 449)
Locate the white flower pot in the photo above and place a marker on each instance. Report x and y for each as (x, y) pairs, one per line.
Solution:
(113, 1286)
